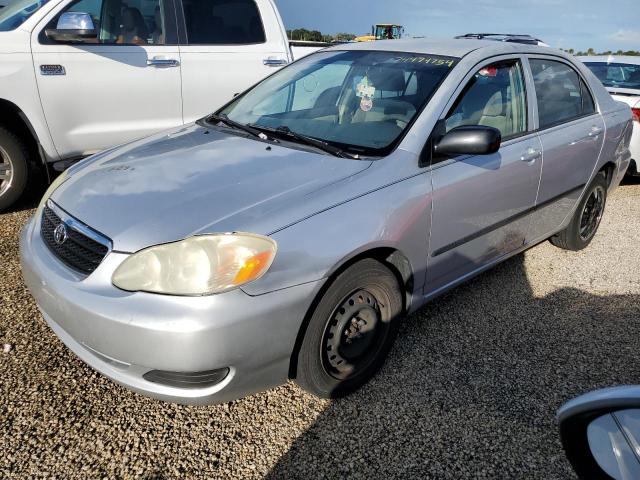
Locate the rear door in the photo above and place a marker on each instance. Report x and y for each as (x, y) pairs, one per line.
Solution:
(226, 46)
(572, 133)
(481, 203)
(121, 86)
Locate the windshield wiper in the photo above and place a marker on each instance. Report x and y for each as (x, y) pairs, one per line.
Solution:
(304, 139)
(237, 125)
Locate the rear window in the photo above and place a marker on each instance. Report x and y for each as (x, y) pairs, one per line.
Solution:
(620, 75)
(223, 22)
(14, 15)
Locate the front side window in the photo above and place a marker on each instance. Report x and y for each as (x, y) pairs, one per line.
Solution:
(362, 101)
(134, 22)
(223, 22)
(562, 94)
(494, 97)
(616, 75)
(18, 12)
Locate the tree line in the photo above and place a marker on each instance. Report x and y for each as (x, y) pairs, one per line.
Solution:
(591, 52)
(316, 36)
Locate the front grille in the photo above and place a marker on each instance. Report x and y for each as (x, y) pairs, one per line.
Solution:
(78, 251)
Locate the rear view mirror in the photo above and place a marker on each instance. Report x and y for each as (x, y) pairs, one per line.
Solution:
(469, 140)
(73, 27)
(600, 433)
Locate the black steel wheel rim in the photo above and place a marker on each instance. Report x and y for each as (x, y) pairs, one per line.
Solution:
(592, 213)
(6, 172)
(355, 334)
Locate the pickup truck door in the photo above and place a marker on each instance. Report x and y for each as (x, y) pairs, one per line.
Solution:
(482, 203)
(225, 48)
(115, 88)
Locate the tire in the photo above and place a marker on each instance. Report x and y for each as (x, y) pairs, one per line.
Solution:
(586, 219)
(13, 168)
(350, 331)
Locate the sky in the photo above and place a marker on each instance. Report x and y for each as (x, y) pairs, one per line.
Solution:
(578, 24)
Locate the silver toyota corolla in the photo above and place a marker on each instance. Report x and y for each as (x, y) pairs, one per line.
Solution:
(286, 235)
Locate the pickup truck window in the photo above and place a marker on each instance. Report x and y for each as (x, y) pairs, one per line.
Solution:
(361, 101)
(15, 14)
(139, 22)
(223, 22)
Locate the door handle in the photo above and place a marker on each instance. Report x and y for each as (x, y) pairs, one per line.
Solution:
(163, 62)
(274, 62)
(595, 131)
(531, 154)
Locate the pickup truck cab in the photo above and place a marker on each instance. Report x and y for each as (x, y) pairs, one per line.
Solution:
(81, 76)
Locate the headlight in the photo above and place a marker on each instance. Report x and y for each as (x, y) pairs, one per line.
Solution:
(199, 265)
(54, 185)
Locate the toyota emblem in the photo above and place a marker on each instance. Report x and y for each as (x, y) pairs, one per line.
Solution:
(60, 234)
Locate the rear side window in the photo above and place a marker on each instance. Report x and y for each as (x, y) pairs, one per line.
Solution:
(562, 94)
(223, 22)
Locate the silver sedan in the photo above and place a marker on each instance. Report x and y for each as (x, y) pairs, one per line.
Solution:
(287, 235)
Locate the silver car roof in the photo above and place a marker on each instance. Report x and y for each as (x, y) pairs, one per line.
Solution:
(447, 47)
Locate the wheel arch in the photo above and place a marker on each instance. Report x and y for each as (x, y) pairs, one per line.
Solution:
(13, 118)
(609, 170)
(391, 257)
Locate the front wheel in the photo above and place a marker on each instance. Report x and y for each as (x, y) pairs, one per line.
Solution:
(13, 168)
(350, 331)
(586, 219)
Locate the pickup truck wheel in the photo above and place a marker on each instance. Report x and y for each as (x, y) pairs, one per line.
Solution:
(13, 168)
(586, 219)
(350, 331)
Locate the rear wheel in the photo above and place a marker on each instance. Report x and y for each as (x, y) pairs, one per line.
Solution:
(351, 330)
(586, 219)
(13, 168)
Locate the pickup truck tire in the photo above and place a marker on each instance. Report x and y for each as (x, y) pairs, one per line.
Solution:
(351, 330)
(13, 168)
(586, 219)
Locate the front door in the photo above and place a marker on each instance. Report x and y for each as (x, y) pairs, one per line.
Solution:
(112, 89)
(481, 204)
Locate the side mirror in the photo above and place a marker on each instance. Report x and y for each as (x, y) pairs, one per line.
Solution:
(73, 27)
(600, 433)
(469, 140)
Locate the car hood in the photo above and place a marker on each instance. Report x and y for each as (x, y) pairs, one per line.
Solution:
(191, 181)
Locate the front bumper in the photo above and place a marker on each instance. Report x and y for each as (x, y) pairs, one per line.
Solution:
(124, 335)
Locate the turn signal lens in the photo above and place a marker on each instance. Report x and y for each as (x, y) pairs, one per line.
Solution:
(200, 265)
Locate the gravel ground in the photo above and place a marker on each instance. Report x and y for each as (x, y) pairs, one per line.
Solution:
(470, 389)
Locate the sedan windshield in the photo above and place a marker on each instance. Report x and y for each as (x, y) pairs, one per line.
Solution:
(16, 13)
(620, 75)
(359, 101)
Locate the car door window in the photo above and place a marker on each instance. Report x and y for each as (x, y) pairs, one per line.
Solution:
(223, 22)
(494, 97)
(562, 94)
(134, 22)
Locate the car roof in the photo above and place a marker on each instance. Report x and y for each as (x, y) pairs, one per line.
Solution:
(445, 47)
(611, 59)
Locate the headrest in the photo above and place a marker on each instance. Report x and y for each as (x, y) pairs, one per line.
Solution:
(386, 78)
(494, 107)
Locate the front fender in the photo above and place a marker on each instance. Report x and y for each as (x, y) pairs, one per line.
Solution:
(396, 217)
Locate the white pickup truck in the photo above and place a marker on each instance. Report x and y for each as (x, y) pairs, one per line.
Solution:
(79, 76)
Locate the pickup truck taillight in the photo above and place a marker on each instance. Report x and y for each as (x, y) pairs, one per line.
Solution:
(636, 114)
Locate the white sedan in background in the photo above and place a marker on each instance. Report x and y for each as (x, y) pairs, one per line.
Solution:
(621, 77)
